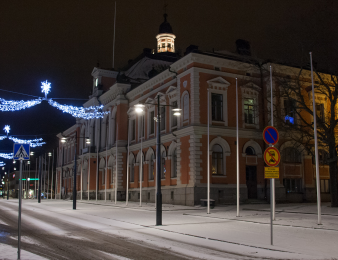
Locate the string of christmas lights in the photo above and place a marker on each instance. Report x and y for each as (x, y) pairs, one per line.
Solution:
(80, 112)
(12, 105)
(33, 143)
(3, 137)
(2, 164)
(6, 155)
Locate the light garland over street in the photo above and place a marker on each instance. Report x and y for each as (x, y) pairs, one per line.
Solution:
(6, 155)
(78, 112)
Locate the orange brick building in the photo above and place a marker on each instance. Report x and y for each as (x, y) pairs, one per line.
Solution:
(183, 82)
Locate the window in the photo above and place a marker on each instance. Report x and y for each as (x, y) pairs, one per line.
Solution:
(96, 82)
(103, 176)
(249, 111)
(323, 157)
(152, 122)
(250, 151)
(174, 118)
(169, 45)
(217, 107)
(291, 155)
(162, 118)
(289, 111)
(217, 160)
(186, 107)
(174, 163)
(151, 168)
(141, 126)
(325, 186)
(320, 111)
(133, 125)
(132, 175)
(293, 185)
(163, 45)
(163, 170)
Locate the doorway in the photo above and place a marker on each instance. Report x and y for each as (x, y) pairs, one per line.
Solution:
(251, 181)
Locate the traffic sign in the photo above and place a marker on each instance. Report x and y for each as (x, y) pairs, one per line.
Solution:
(271, 156)
(21, 152)
(270, 135)
(271, 172)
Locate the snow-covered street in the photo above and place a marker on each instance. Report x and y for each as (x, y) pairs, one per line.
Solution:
(103, 230)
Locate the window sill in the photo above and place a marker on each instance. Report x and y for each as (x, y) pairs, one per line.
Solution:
(151, 181)
(217, 121)
(174, 178)
(218, 175)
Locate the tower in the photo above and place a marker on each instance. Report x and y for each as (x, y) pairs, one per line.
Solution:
(165, 37)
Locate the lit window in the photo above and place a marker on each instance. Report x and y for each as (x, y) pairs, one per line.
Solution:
(289, 111)
(249, 111)
(169, 45)
(217, 160)
(163, 45)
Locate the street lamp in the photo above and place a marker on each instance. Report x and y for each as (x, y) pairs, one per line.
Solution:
(64, 140)
(177, 112)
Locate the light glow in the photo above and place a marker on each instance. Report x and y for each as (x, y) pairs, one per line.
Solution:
(80, 112)
(7, 128)
(45, 87)
(2, 164)
(12, 105)
(6, 155)
(32, 143)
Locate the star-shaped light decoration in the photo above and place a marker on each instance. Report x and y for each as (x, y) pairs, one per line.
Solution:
(7, 128)
(45, 87)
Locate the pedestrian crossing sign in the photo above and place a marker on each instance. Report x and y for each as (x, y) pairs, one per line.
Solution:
(21, 152)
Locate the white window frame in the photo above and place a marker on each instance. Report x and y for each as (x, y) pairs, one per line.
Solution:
(250, 93)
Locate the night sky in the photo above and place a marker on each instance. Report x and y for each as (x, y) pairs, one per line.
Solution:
(61, 41)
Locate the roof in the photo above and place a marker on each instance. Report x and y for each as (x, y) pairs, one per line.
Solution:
(165, 27)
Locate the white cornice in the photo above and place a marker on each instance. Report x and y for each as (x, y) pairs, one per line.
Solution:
(113, 92)
(105, 73)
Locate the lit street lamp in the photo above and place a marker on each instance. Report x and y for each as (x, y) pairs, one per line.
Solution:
(177, 112)
(63, 140)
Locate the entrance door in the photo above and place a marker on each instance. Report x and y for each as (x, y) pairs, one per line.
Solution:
(251, 181)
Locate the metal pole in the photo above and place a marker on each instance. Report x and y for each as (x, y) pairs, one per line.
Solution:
(97, 169)
(29, 174)
(74, 174)
(316, 146)
(208, 154)
(273, 180)
(88, 173)
(8, 183)
(39, 181)
(237, 149)
(105, 175)
(48, 177)
(44, 179)
(141, 164)
(81, 176)
(36, 169)
(158, 166)
(51, 193)
(117, 130)
(271, 213)
(20, 201)
(127, 185)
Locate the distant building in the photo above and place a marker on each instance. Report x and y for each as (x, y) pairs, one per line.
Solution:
(183, 82)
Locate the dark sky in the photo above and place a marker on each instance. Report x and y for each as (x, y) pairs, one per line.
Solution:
(62, 41)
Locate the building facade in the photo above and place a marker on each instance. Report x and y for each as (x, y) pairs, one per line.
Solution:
(185, 82)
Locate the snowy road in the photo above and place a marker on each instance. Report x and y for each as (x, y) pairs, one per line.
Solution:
(54, 231)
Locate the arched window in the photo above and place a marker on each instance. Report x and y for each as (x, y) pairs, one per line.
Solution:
(163, 169)
(291, 155)
(151, 168)
(217, 160)
(250, 151)
(131, 170)
(186, 107)
(174, 165)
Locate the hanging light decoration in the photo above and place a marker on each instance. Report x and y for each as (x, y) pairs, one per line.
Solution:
(12, 105)
(6, 155)
(80, 112)
(3, 137)
(33, 143)
(7, 128)
(2, 164)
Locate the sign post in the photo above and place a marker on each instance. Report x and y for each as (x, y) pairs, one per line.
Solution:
(272, 158)
(21, 152)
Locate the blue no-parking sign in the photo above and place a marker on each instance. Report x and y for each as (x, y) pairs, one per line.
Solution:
(270, 135)
(21, 152)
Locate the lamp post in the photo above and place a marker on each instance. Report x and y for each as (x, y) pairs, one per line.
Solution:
(49, 155)
(63, 140)
(177, 112)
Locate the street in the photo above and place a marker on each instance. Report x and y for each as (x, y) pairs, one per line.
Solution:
(102, 230)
